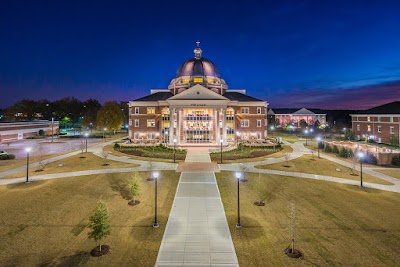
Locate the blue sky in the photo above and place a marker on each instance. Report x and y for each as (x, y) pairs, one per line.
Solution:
(321, 54)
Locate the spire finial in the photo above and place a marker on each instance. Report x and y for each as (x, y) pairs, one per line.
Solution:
(197, 50)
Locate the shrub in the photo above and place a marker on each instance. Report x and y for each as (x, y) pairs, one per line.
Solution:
(7, 156)
(117, 146)
(350, 153)
(335, 149)
(370, 159)
(396, 160)
(394, 141)
(321, 145)
(41, 132)
(343, 152)
(328, 148)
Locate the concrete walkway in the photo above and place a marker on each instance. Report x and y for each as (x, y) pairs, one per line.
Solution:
(197, 233)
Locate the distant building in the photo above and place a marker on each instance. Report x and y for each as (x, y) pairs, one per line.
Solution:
(378, 123)
(197, 108)
(288, 116)
(10, 131)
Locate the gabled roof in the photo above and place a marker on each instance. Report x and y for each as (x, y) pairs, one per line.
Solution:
(240, 97)
(304, 111)
(389, 108)
(155, 97)
(296, 111)
(198, 92)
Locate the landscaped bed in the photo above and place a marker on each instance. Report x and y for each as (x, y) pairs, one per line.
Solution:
(44, 223)
(335, 224)
(245, 152)
(154, 152)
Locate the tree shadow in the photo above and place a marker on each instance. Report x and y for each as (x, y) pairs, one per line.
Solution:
(121, 186)
(24, 185)
(80, 258)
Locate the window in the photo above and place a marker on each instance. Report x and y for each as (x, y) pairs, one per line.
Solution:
(136, 123)
(198, 80)
(136, 110)
(258, 123)
(151, 110)
(151, 123)
(151, 136)
(358, 127)
(244, 110)
(368, 118)
(258, 135)
(369, 128)
(391, 129)
(258, 110)
(136, 136)
(130, 122)
(244, 123)
(379, 118)
(391, 119)
(379, 129)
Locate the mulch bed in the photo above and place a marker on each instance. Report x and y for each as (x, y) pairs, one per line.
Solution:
(293, 254)
(97, 253)
(150, 179)
(106, 164)
(257, 203)
(133, 202)
(39, 170)
(82, 157)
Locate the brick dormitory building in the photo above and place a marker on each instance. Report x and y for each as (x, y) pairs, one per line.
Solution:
(197, 108)
(378, 123)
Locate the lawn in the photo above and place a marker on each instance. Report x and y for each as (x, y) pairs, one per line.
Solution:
(74, 163)
(314, 165)
(393, 173)
(43, 223)
(15, 163)
(250, 153)
(336, 224)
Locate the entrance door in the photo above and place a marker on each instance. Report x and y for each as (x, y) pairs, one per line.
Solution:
(20, 136)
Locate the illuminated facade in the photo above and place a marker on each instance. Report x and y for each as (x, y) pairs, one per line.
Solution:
(197, 109)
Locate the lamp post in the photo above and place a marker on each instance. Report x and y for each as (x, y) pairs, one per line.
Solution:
(361, 156)
(86, 136)
(318, 141)
(155, 224)
(104, 134)
(306, 133)
(91, 128)
(272, 128)
(52, 129)
(221, 141)
(174, 150)
(28, 149)
(238, 176)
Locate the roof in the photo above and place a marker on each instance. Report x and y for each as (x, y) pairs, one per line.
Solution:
(198, 67)
(296, 111)
(155, 97)
(240, 97)
(389, 108)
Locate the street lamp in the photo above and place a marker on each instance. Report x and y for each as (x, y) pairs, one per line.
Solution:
(318, 141)
(306, 133)
(221, 141)
(28, 149)
(272, 128)
(155, 224)
(238, 176)
(361, 156)
(174, 150)
(91, 128)
(86, 135)
(104, 134)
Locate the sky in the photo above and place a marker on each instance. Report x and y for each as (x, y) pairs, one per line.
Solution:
(315, 54)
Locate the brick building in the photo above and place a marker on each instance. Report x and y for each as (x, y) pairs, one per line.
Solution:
(378, 123)
(20, 130)
(197, 108)
(286, 116)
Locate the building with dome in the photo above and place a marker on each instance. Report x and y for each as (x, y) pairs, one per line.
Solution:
(197, 109)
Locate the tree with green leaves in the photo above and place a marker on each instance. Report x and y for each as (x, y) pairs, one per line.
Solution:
(99, 225)
(110, 116)
(134, 187)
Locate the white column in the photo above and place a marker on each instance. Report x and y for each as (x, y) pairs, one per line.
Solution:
(224, 125)
(217, 127)
(178, 126)
(171, 126)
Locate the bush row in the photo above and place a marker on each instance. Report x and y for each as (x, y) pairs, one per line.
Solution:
(7, 156)
(396, 160)
(348, 153)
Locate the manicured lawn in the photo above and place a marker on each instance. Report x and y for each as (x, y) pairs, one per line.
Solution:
(248, 154)
(314, 165)
(15, 163)
(74, 163)
(43, 223)
(336, 225)
(393, 173)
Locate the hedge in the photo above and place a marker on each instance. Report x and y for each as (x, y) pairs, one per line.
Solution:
(7, 156)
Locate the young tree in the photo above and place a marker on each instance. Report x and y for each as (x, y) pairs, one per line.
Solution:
(110, 116)
(82, 148)
(40, 153)
(243, 169)
(134, 187)
(287, 157)
(105, 156)
(99, 225)
(292, 223)
(262, 192)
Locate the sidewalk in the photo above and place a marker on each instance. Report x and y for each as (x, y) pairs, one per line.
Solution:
(197, 233)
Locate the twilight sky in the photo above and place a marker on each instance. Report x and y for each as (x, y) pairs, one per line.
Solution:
(317, 54)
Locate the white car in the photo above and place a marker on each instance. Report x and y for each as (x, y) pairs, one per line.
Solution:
(3, 152)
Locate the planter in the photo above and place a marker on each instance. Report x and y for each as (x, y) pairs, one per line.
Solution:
(261, 204)
(96, 252)
(133, 202)
(293, 254)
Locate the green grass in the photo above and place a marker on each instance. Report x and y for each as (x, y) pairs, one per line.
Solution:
(336, 224)
(44, 223)
(314, 165)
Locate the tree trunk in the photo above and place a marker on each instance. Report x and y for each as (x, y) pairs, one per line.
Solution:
(293, 245)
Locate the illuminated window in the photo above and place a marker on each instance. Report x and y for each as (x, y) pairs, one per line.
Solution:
(258, 110)
(198, 80)
(368, 118)
(151, 123)
(258, 123)
(136, 123)
(186, 80)
(244, 123)
(391, 129)
(244, 110)
(379, 118)
(358, 127)
(136, 136)
(379, 129)
(136, 110)
(369, 128)
(151, 110)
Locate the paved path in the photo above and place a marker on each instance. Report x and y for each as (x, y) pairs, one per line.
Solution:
(197, 233)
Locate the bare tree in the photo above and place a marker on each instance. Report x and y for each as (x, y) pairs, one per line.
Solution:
(286, 157)
(40, 153)
(354, 163)
(262, 192)
(82, 147)
(291, 251)
(243, 169)
(150, 169)
(105, 156)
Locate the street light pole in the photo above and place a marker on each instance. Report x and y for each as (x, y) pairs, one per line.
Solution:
(238, 175)
(86, 135)
(221, 141)
(155, 224)
(174, 150)
(104, 134)
(28, 149)
(318, 141)
(52, 129)
(361, 156)
(306, 132)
